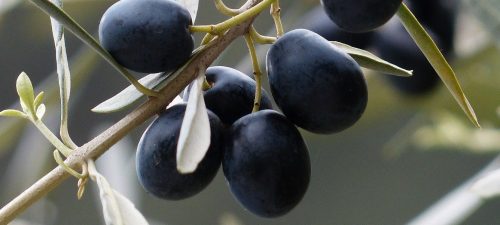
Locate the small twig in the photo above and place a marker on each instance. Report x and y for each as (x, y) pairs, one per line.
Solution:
(101, 143)
(276, 14)
(259, 38)
(256, 72)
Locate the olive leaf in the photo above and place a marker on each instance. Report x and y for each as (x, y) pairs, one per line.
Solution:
(191, 6)
(26, 93)
(40, 111)
(370, 61)
(129, 95)
(117, 209)
(63, 74)
(12, 113)
(488, 12)
(6, 5)
(177, 100)
(488, 186)
(194, 137)
(39, 99)
(436, 59)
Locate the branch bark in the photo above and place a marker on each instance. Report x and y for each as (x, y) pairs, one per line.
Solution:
(100, 144)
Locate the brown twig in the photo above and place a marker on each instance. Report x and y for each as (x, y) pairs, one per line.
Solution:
(100, 144)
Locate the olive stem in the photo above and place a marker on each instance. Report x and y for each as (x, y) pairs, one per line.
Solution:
(219, 4)
(100, 144)
(256, 72)
(220, 28)
(276, 14)
(436, 59)
(259, 38)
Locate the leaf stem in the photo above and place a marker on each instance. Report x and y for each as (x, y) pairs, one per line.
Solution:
(437, 60)
(51, 137)
(256, 72)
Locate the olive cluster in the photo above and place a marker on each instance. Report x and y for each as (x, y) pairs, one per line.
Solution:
(317, 86)
(392, 42)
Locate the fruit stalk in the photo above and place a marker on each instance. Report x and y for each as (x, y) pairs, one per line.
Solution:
(256, 72)
(244, 16)
(276, 14)
(100, 144)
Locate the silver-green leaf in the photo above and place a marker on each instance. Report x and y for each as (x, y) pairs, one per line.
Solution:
(117, 209)
(40, 111)
(39, 99)
(129, 95)
(370, 61)
(26, 93)
(194, 137)
(12, 113)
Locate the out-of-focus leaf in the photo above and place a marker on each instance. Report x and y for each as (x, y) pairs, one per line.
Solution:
(191, 6)
(370, 61)
(194, 137)
(488, 12)
(437, 60)
(488, 186)
(117, 209)
(12, 113)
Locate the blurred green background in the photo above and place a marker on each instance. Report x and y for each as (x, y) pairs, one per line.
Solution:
(402, 156)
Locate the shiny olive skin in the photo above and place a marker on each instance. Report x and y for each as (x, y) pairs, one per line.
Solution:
(156, 157)
(266, 163)
(318, 22)
(232, 94)
(360, 15)
(317, 85)
(147, 36)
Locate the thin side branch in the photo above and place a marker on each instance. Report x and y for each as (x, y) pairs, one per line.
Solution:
(101, 143)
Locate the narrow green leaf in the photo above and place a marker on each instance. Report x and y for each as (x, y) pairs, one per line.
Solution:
(39, 99)
(436, 59)
(25, 92)
(69, 23)
(12, 113)
(370, 61)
